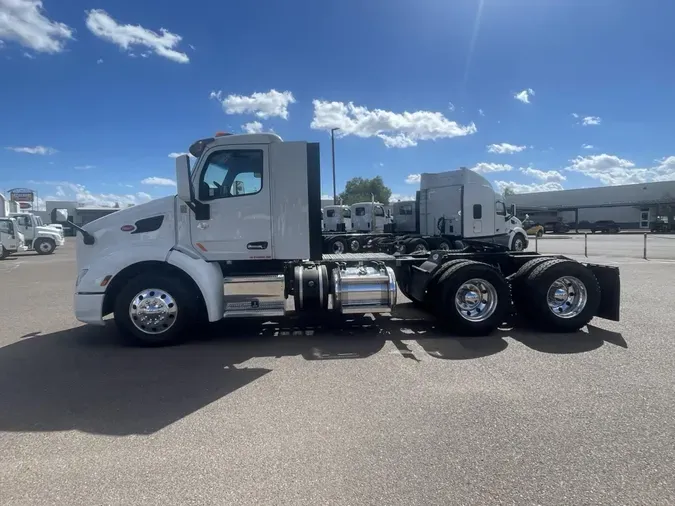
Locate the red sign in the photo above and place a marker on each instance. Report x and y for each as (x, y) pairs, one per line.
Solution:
(25, 205)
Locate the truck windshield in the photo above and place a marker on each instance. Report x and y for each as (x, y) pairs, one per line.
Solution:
(39, 221)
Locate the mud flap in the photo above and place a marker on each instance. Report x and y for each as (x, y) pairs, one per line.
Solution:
(610, 291)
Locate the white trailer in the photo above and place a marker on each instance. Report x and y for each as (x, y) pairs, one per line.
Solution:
(11, 240)
(202, 255)
(39, 238)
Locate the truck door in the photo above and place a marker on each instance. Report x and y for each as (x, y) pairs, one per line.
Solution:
(25, 226)
(233, 181)
(379, 218)
(478, 211)
(8, 238)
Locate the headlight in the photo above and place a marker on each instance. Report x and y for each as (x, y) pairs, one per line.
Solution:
(80, 276)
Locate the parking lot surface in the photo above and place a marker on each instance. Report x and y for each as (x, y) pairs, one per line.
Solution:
(386, 411)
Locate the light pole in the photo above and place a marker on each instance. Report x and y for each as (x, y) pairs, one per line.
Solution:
(332, 147)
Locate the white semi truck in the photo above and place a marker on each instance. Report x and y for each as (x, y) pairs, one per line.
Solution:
(337, 218)
(433, 220)
(40, 238)
(11, 240)
(208, 253)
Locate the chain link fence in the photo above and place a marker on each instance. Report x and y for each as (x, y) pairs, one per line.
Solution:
(646, 246)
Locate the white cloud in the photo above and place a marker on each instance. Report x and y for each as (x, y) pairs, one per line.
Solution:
(487, 168)
(528, 188)
(28, 55)
(451, 106)
(326, 197)
(99, 61)
(66, 190)
(480, 111)
(524, 96)
(550, 176)
(176, 155)
(612, 170)
(24, 21)
(591, 120)
(399, 130)
(396, 197)
(33, 150)
(162, 44)
(84, 167)
(264, 105)
(413, 178)
(254, 127)
(575, 115)
(587, 146)
(505, 148)
(158, 181)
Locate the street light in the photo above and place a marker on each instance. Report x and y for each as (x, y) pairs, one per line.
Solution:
(332, 146)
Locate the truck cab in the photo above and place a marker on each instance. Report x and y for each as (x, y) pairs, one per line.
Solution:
(39, 238)
(369, 217)
(337, 218)
(11, 240)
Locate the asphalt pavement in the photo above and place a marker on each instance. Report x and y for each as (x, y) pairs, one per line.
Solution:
(384, 411)
(624, 245)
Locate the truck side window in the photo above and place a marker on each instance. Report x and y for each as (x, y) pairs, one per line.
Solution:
(346, 213)
(405, 210)
(231, 173)
(477, 211)
(379, 211)
(360, 211)
(330, 213)
(6, 227)
(500, 208)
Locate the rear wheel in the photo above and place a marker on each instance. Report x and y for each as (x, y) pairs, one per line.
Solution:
(475, 298)
(417, 246)
(155, 309)
(354, 245)
(540, 233)
(561, 295)
(44, 246)
(337, 245)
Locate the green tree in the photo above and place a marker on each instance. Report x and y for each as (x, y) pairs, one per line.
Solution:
(508, 191)
(359, 189)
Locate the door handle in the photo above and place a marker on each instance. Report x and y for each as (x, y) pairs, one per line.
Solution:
(257, 245)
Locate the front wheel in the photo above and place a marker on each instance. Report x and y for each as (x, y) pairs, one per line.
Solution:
(540, 233)
(518, 243)
(3, 253)
(154, 310)
(44, 246)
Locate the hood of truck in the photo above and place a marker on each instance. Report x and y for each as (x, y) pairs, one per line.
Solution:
(149, 227)
(47, 232)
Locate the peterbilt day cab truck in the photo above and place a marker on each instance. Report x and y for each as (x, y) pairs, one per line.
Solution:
(11, 240)
(207, 253)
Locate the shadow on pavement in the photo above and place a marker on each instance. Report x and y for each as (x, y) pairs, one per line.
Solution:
(83, 379)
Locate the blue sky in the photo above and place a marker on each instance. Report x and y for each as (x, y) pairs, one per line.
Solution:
(535, 94)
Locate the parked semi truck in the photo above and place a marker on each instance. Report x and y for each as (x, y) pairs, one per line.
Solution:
(206, 254)
(433, 220)
(337, 218)
(11, 240)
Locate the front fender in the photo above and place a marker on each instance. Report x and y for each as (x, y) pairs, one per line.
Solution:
(208, 277)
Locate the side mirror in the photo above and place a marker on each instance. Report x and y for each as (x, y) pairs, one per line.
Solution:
(183, 189)
(59, 215)
(512, 210)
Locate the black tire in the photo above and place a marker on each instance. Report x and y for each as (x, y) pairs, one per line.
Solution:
(523, 242)
(413, 244)
(355, 245)
(540, 233)
(433, 298)
(44, 246)
(332, 245)
(541, 279)
(186, 304)
(3, 253)
(448, 287)
(519, 290)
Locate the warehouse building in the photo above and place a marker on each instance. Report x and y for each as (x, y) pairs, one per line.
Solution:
(632, 207)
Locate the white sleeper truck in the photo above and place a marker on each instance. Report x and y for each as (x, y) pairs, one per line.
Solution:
(211, 252)
(337, 218)
(40, 238)
(11, 240)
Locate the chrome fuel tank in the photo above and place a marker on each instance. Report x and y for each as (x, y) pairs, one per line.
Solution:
(364, 289)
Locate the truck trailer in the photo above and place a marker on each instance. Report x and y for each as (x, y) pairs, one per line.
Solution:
(208, 253)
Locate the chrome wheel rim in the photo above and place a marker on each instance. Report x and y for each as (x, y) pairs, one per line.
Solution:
(400, 248)
(153, 311)
(567, 297)
(444, 246)
(518, 244)
(355, 245)
(338, 247)
(476, 300)
(420, 248)
(45, 247)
